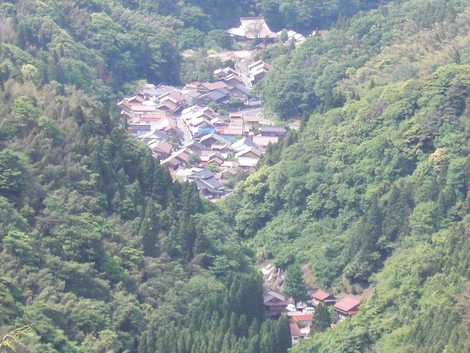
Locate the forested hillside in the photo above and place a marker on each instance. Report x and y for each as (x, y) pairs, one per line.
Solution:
(100, 250)
(374, 192)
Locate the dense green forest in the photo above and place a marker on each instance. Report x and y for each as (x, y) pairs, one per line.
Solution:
(102, 252)
(374, 191)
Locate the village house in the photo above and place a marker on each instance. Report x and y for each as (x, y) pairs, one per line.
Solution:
(206, 182)
(133, 107)
(274, 303)
(300, 325)
(243, 144)
(194, 147)
(247, 164)
(229, 168)
(161, 149)
(151, 92)
(178, 159)
(253, 30)
(234, 83)
(248, 158)
(250, 152)
(239, 92)
(347, 306)
(322, 297)
(218, 95)
(214, 158)
(257, 71)
(230, 132)
(295, 332)
(265, 141)
(126, 103)
(154, 136)
(222, 74)
(171, 102)
(203, 93)
(302, 319)
(197, 111)
(160, 123)
(208, 141)
(251, 121)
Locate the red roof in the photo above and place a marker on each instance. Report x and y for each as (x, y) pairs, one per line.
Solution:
(347, 304)
(320, 295)
(299, 316)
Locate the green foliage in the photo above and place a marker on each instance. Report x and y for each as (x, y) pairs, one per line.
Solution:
(12, 173)
(306, 79)
(102, 252)
(322, 318)
(229, 321)
(374, 191)
(294, 285)
(95, 237)
(306, 15)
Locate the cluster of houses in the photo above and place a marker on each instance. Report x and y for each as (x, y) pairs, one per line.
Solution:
(301, 315)
(204, 132)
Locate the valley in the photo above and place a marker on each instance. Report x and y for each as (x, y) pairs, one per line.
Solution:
(253, 176)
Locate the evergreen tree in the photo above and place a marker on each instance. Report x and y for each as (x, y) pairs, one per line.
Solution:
(294, 285)
(149, 230)
(283, 337)
(322, 318)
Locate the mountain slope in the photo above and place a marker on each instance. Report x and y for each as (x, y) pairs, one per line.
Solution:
(101, 251)
(374, 192)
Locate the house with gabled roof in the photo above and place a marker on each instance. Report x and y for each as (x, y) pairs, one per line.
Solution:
(161, 149)
(301, 323)
(225, 72)
(250, 152)
(178, 159)
(218, 95)
(322, 297)
(150, 91)
(253, 28)
(244, 143)
(211, 157)
(171, 102)
(197, 111)
(257, 71)
(210, 140)
(347, 306)
(207, 183)
(274, 303)
(230, 132)
(265, 141)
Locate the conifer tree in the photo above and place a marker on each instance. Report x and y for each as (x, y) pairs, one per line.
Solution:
(322, 318)
(294, 285)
